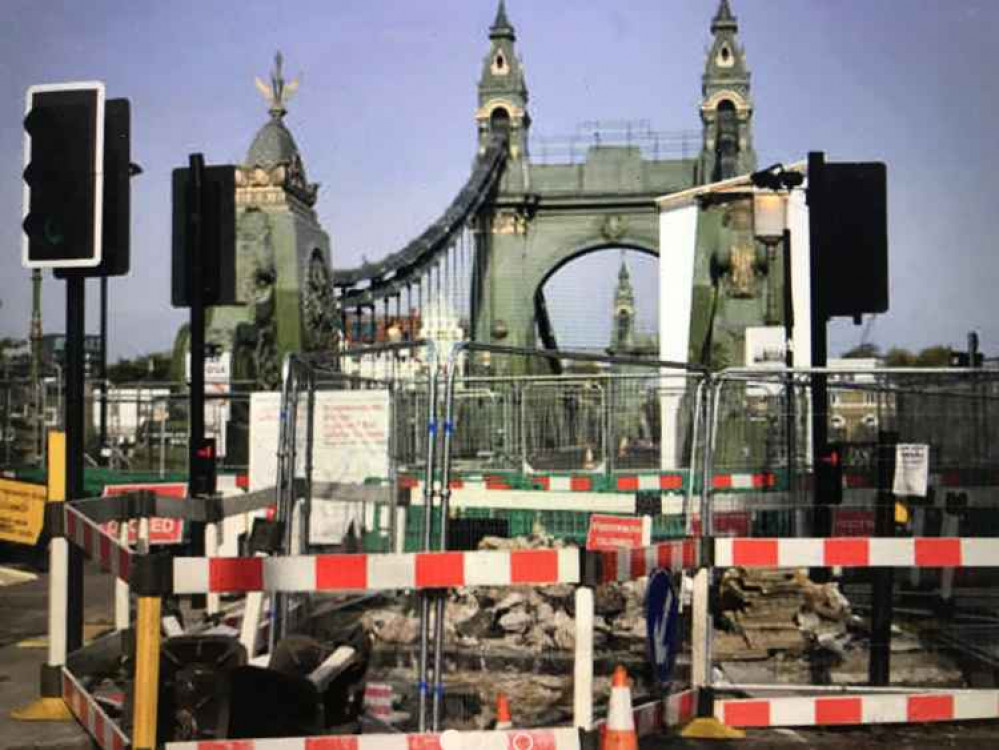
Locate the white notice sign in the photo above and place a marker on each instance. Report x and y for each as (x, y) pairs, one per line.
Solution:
(912, 469)
(350, 443)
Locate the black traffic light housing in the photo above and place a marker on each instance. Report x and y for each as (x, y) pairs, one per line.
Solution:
(218, 241)
(203, 472)
(829, 474)
(118, 171)
(848, 203)
(63, 197)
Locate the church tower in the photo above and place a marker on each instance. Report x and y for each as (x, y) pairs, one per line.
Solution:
(502, 90)
(726, 106)
(623, 325)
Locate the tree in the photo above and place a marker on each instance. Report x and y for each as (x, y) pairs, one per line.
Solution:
(863, 351)
(150, 368)
(934, 356)
(898, 357)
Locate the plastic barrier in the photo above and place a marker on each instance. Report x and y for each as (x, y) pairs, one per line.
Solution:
(523, 739)
(88, 711)
(368, 572)
(902, 708)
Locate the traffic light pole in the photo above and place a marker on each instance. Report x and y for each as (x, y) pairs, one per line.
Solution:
(103, 423)
(883, 579)
(196, 237)
(822, 523)
(75, 436)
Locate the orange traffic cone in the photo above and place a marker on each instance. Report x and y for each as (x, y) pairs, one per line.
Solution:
(620, 734)
(503, 719)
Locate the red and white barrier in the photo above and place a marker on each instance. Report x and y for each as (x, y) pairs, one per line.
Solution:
(857, 552)
(652, 718)
(97, 544)
(629, 564)
(88, 711)
(375, 572)
(907, 708)
(525, 739)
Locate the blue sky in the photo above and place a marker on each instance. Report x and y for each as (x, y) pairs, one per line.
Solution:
(384, 119)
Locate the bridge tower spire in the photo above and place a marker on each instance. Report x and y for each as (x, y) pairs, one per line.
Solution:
(502, 89)
(623, 331)
(726, 105)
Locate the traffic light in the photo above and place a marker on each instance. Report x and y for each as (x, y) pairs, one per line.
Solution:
(218, 240)
(848, 207)
(829, 474)
(118, 170)
(63, 156)
(203, 475)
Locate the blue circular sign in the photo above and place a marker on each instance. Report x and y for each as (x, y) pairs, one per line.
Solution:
(662, 621)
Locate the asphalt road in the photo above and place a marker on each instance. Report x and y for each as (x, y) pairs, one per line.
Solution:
(23, 624)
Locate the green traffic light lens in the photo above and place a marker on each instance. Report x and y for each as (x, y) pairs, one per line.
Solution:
(53, 232)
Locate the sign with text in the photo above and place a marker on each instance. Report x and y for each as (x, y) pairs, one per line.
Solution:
(852, 522)
(161, 530)
(22, 511)
(912, 469)
(615, 532)
(350, 443)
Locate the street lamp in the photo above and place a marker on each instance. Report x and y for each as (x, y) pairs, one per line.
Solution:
(770, 227)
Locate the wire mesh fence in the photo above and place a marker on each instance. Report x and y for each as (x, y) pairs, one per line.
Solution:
(800, 627)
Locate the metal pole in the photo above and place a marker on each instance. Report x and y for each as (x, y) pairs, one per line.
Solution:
(791, 426)
(428, 499)
(75, 444)
(820, 393)
(450, 373)
(879, 667)
(196, 251)
(103, 438)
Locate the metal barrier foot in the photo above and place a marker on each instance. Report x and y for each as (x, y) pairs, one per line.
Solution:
(43, 709)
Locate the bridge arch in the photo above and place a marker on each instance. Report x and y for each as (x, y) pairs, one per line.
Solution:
(567, 320)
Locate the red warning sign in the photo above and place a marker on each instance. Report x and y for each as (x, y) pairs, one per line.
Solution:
(615, 532)
(161, 530)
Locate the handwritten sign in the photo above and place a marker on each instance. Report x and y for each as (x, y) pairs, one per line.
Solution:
(22, 511)
(912, 469)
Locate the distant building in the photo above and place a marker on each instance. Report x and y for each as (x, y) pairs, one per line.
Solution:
(626, 340)
(53, 353)
(856, 406)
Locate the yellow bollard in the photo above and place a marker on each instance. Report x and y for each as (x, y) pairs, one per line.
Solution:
(147, 673)
(50, 706)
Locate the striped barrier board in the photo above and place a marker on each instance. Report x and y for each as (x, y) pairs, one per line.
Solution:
(629, 564)
(89, 713)
(376, 572)
(524, 739)
(96, 544)
(653, 718)
(653, 482)
(881, 708)
(858, 552)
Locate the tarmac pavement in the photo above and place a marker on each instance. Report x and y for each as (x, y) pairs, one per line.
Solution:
(23, 620)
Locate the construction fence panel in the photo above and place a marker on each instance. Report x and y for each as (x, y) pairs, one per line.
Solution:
(797, 610)
(537, 447)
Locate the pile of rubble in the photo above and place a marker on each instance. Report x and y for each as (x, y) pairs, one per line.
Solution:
(780, 626)
(517, 640)
(533, 620)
